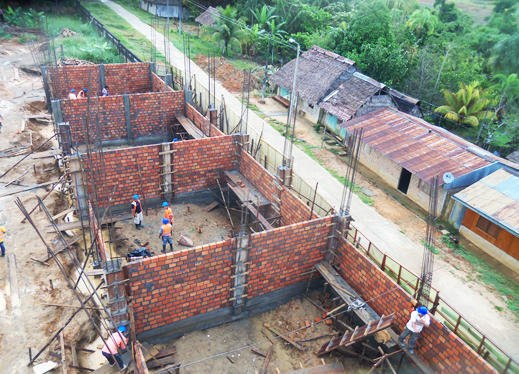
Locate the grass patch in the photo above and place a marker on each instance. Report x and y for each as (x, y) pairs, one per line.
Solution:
(118, 26)
(488, 275)
(86, 45)
(357, 190)
(198, 45)
(431, 247)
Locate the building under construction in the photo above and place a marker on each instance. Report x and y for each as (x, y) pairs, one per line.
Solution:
(150, 137)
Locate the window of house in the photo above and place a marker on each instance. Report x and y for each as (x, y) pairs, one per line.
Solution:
(424, 187)
(488, 227)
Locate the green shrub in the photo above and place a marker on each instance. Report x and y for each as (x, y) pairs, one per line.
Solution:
(317, 127)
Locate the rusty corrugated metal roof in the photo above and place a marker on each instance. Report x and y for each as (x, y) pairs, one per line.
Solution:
(416, 145)
(495, 197)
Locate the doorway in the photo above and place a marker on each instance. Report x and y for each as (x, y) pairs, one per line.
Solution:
(405, 179)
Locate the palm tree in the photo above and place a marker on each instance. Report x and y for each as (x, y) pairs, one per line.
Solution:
(507, 86)
(406, 6)
(421, 20)
(505, 55)
(264, 15)
(467, 106)
(227, 29)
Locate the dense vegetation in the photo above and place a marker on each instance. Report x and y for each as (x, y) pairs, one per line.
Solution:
(466, 74)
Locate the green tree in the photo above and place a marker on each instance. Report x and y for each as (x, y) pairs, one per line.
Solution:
(263, 16)
(467, 106)
(506, 86)
(505, 55)
(227, 30)
(421, 21)
(406, 6)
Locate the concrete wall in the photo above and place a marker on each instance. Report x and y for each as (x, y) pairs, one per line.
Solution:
(144, 116)
(439, 347)
(120, 79)
(184, 290)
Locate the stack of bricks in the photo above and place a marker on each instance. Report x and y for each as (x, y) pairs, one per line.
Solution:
(286, 255)
(293, 209)
(120, 166)
(150, 114)
(180, 285)
(120, 79)
(198, 162)
(438, 346)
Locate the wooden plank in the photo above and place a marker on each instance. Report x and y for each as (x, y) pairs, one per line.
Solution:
(335, 368)
(247, 192)
(63, 359)
(77, 224)
(64, 213)
(164, 361)
(260, 218)
(74, 355)
(190, 127)
(211, 206)
(59, 249)
(36, 116)
(284, 337)
(92, 273)
(29, 188)
(267, 360)
(167, 352)
(258, 352)
(51, 153)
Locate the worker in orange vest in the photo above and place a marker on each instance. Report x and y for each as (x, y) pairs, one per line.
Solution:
(2, 236)
(168, 213)
(165, 234)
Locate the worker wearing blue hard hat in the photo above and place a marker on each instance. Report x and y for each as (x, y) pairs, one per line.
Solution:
(72, 94)
(165, 233)
(111, 348)
(168, 213)
(82, 93)
(419, 319)
(137, 212)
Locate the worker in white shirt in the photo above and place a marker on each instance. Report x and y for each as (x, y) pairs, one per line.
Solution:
(419, 319)
(72, 94)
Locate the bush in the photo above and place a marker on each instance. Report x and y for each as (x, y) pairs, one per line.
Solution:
(317, 127)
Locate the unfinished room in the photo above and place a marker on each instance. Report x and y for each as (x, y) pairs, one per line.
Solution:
(255, 280)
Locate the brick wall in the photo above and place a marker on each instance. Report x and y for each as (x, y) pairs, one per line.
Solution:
(120, 79)
(199, 161)
(293, 209)
(439, 347)
(150, 114)
(158, 84)
(120, 166)
(179, 285)
(202, 122)
(153, 113)
(281, 257)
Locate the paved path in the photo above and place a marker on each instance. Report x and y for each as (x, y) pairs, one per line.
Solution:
(383, 233)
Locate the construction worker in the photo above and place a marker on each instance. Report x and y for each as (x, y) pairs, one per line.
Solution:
(72, 94)
(137, 212)
(168, 213)
(82, 94)
(115, 341)
(104, 91)
(419, 319)
(2, 236)
(165, 234)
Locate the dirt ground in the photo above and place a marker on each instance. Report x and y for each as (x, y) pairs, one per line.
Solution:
(25, 284)
(194, 348)
(189, 218)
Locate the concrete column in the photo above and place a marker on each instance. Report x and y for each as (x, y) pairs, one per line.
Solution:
(188, 96)
(242, 245)
(153, 69)
(56, 111)
(102, 79)
(116, 294)
(45, 75)
(127, 118)
(169, 80)
(78, 180)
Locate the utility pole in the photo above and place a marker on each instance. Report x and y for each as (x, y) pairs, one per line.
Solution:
(266, 69)
(180, 18)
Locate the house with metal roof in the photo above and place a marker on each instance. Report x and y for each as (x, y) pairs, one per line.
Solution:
(491, 215)
(207, 18)
(331, 90)
(406, 152)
